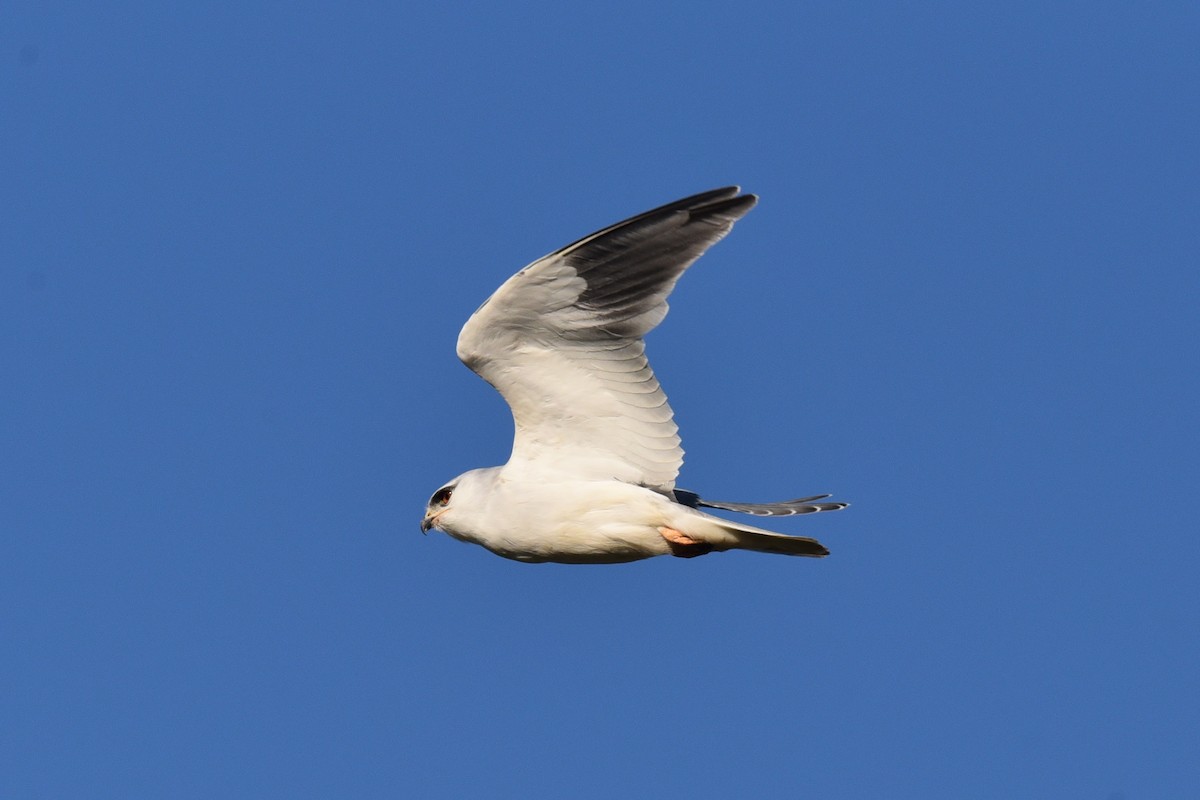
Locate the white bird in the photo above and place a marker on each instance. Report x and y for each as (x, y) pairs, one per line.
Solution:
(591, 478)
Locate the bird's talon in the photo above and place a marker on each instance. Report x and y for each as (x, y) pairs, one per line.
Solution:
(676, 537)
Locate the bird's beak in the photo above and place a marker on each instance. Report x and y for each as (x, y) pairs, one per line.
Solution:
(429, 521)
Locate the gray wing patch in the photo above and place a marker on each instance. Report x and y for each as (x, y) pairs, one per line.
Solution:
(786, 508)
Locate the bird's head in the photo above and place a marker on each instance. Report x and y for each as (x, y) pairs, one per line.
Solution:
(438, 505)
(454, 501)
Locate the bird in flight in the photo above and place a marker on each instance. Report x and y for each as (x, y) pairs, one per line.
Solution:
(591, 478)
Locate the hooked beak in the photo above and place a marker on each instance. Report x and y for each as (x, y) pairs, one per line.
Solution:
(429, 521)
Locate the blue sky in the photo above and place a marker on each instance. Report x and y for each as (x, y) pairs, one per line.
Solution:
(237, 242)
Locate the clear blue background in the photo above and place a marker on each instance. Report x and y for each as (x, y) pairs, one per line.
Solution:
(237, 244)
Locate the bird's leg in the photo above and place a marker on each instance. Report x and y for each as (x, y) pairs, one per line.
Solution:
(677, 537)
(683, 545)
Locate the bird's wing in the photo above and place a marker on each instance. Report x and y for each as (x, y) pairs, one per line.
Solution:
(562, 342)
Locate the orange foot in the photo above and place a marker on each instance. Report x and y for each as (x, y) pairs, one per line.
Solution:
(683, 545)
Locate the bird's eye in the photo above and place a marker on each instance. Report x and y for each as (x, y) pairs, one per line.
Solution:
(442, 497)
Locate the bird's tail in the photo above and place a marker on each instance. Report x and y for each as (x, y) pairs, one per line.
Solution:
(747, 538)
(723, 534)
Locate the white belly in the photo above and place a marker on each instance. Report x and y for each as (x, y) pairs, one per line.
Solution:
(592, 522)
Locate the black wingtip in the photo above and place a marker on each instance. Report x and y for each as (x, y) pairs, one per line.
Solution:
(705, 204)
(734, 207)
